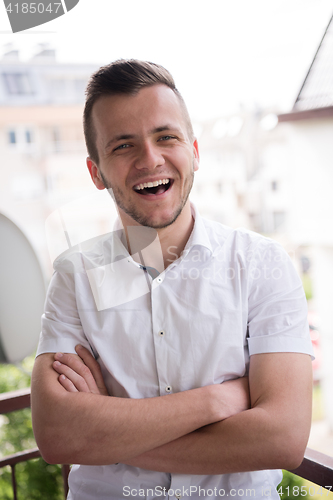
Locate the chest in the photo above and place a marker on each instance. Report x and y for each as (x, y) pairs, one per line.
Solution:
(187, 330)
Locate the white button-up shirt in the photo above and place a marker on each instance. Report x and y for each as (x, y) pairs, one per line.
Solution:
(231, 294)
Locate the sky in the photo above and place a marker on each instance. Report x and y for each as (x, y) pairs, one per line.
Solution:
(223, 54)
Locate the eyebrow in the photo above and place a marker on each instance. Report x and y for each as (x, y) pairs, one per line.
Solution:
(125, 137)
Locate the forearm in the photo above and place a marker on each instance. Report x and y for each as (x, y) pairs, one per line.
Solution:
(98, 430)
(247, 441)
(93, 429)
(272, 434)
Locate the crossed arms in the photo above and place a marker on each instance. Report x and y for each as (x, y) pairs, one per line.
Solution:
(210, 430)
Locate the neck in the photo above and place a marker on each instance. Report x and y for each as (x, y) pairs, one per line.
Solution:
(147, 243)
(173, 238)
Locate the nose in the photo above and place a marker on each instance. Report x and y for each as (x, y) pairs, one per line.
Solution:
(149, 157)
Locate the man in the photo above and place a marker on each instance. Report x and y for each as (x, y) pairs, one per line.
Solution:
(165, 411)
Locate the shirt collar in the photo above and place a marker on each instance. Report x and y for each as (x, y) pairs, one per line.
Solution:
(199, 236)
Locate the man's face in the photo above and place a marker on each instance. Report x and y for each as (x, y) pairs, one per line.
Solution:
(145, 155)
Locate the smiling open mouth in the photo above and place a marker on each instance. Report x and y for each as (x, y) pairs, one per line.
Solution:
(155, 187)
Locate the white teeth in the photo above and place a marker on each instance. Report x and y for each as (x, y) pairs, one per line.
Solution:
(138, 187)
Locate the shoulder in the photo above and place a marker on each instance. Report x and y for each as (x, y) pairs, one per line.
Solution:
(86, 255)
(239, 240)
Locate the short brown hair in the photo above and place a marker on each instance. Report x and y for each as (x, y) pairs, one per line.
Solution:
(124, 77)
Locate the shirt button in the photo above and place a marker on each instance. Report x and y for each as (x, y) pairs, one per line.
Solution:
(168, 388)
(161, 333)
(159, 280)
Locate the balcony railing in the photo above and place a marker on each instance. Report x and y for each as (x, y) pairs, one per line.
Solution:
(316, 467)
(17, 400)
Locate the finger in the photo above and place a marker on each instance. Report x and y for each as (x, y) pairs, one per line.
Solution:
(67, 384)
(93, 366)
(79, 373)
(77, 380)
(75, 363)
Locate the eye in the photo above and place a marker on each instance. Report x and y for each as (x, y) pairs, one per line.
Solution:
(167, 137)
(122, 146)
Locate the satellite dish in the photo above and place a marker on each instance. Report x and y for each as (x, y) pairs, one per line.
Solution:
(22, 294)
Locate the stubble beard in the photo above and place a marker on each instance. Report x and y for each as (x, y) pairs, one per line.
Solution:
(140, 218)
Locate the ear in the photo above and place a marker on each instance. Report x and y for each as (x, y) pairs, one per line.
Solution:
(196, 155)
(95, 174)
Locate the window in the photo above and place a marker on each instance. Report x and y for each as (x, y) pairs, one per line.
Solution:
(12, 137)
(56, 139)
(28, 137)
(21, 136)
(17, 83)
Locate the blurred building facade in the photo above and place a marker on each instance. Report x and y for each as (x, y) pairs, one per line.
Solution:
(309, 126)
(41, 139)
(273, 173)
(241, 182)
(268, 172)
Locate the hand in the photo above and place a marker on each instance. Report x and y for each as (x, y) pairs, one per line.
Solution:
(237, 395)
(79, 373)
(232, 397)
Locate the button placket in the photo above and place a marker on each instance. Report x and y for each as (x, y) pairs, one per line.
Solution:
(180, 485)
(159, 337)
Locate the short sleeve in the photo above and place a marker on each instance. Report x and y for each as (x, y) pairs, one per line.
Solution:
(277, 318)
(61, 324)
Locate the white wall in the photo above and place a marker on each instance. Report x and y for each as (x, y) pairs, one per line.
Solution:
(310, 179)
